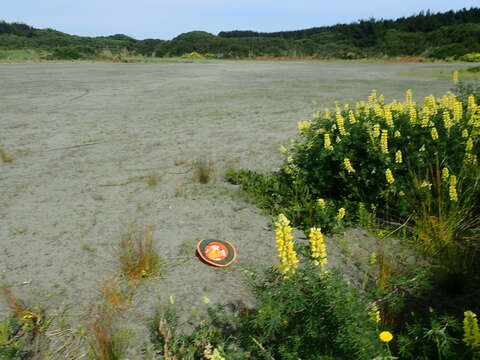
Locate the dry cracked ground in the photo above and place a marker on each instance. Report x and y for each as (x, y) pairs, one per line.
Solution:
(84, 137)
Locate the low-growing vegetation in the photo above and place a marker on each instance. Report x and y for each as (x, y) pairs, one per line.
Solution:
(137, 254)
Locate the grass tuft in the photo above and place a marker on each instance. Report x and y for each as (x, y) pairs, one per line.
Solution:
(203, 171)
(105, 343)
(6, 157)
(138, 257)
(152, 177)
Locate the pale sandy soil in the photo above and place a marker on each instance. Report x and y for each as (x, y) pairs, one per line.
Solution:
(63, 210)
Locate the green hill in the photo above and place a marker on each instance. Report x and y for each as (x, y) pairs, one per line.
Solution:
(452, 34)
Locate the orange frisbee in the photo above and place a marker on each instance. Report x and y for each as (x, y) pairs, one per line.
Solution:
(219, 253)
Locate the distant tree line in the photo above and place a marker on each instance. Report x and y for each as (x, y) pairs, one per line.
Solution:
(436, 35)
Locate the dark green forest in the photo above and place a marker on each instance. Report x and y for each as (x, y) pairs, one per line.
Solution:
(449, 35)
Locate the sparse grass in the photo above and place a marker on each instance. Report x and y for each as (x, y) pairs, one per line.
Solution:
(112, 295)
(137, 255)
(203, 171)
(105, 342)
(152, 177)
(6, 157)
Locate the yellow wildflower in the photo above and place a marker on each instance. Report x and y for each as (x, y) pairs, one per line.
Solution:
(426, 113)
(409, 96)
(317, 247)
(447, 121)
(398, 157)
(348, 165)
(377, 108)
(452, 190)
(373, 258)
(434, 134)
(426, 184)
(388, 116)
(341, 214)
(401, 193)
(327, 142)
(206, 300)
(455, 76)
(328, 116)
(445, 174)
(457, 111)
(471, 332)
(376, 130)
(346, 107)
(282, 149)
(381, 99)
(386, 336)
(412, 113)
(384, 142)
(471, 159)
(373, 96)
(389, 176)
(422, 148)
(374, 313)
(321, 202)
(351, 118)
(397, 134)
(340, 123)
(212, 354)
(303, 125)
(286, 253)
(469, 145)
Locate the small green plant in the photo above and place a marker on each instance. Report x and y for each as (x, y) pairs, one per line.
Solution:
(6, 157)
(152, 177)
(203, 171)
(137, 254)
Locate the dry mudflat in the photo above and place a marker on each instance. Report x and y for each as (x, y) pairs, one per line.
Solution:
(64, 207)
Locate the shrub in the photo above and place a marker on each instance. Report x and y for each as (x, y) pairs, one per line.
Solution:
(304, 317)
(413, 163)
(203, 171)
(471, 57)
(66, 53)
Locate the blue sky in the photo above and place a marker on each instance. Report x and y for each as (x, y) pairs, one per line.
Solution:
(165, 19)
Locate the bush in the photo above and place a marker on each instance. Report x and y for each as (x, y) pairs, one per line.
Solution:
(413, 164)
(304, 317)
(66, 53)
(471, 57)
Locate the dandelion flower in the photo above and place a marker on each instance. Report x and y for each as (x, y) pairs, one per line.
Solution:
(386, 336)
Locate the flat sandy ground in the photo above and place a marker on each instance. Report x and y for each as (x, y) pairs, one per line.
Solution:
(63, 209)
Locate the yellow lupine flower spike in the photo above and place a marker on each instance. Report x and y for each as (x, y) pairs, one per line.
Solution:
(398, 157)
(348, 165)
(455, 77)
(286, 253)
(445, 174)
(434, 134)
(384, 142)
(341, 214)
(389, 176)
(471, 332)
(317, 247)
(452, 190)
